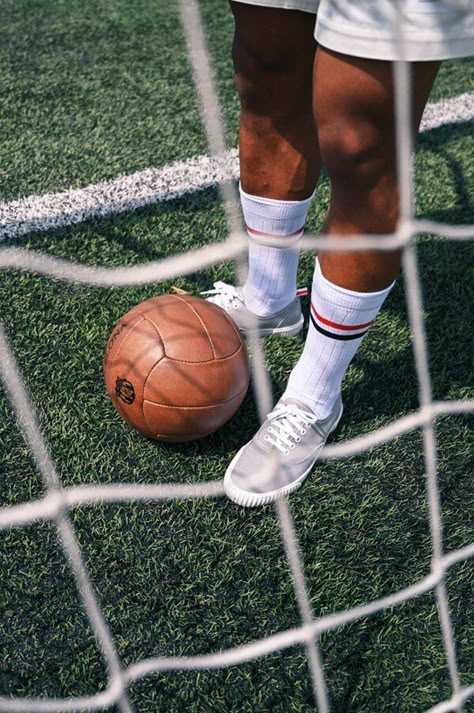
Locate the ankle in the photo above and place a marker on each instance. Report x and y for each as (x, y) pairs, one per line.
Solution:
(263, 307)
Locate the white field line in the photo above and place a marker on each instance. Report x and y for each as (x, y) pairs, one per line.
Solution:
(125, 193)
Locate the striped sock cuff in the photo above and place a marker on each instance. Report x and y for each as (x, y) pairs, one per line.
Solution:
(333, 330)
(343, 314)
(266, 217)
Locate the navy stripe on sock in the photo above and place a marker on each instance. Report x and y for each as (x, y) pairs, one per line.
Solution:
(332, 335)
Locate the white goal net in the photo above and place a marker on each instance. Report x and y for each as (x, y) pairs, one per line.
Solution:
(57, 501)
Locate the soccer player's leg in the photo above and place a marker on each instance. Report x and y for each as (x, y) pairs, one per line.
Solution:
(354, 110)
(273, 55)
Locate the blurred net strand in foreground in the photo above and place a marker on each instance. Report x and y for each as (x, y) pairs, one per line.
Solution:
(54, 506)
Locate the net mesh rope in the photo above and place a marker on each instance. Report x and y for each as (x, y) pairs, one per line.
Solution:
(57, 501)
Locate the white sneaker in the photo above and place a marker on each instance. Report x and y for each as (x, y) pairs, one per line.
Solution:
(287, 322)
(281, 454)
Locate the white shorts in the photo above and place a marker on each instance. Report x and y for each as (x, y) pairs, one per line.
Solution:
(429, 29)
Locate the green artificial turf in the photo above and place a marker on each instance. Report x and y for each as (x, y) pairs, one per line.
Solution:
(94, 90)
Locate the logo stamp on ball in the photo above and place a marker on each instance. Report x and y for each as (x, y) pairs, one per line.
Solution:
(124, 390)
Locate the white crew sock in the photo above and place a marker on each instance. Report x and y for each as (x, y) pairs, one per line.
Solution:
(271, 280)
(339, 320)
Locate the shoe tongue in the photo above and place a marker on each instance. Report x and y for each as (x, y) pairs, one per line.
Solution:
(300, 404)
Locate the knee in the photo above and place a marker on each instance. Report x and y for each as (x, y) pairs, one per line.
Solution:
(255, 76)
(269, 80)
(358, 153)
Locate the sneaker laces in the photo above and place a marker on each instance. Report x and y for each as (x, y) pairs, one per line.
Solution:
(288, 423)
(224, 295)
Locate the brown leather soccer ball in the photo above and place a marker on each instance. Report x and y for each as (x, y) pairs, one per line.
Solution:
(176, 367)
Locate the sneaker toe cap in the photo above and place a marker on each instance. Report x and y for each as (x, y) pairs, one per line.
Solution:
(258, 471)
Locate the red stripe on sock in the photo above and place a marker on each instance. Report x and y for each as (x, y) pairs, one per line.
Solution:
(335, 325)
(289, 235)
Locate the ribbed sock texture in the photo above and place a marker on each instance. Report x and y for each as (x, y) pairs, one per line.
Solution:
(271, 280)
(340, 319)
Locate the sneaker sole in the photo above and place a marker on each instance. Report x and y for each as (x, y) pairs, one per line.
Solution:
(289, 331)
(250, 500)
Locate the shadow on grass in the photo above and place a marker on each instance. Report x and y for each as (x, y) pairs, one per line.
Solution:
(434, 142)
